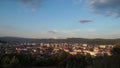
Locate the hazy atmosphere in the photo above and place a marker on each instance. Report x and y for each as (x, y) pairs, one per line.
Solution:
(60, 18)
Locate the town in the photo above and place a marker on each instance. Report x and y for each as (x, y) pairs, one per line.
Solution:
(40, 49)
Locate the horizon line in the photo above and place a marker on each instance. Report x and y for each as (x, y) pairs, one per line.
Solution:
(54, 38)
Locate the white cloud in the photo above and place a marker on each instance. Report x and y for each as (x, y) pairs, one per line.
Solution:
(91, 30)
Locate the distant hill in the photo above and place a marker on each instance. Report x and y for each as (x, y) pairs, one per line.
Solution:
(3, 41)
(70, 40)
(14, 39)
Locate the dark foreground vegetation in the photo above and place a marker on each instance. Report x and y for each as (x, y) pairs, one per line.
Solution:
(61, 60)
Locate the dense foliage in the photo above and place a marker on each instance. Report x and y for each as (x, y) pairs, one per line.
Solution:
(63, 59)
(116, 49)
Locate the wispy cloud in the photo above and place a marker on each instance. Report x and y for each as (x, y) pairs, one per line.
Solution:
(77, 1)
(34, 4)
(82, 21)
(91, 30)
(52, 31)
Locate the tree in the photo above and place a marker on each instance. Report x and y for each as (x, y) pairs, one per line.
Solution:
(5, 62)
(8, 62)
(116, 49)
(14, 62)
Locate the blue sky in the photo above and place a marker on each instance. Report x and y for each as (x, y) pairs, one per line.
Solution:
(60, 18)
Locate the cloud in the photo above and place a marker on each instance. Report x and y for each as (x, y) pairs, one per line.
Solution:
(82, 21)
(77, 1)
(77, 30)
(106, 7)
(34, 4)
(91, 30)
(52, 31)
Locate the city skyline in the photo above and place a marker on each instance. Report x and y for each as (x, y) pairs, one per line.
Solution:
(60, 18)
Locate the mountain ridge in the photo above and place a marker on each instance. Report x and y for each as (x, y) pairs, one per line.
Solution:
(69, 40)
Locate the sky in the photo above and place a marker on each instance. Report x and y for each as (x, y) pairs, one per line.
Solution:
(60, 18)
